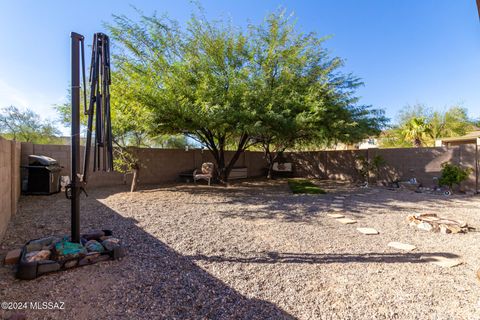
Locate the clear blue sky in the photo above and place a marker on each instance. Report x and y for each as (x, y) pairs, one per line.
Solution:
(406, 51)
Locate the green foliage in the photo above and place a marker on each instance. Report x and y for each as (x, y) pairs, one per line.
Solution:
(393, 138)
(26, 126)
(415, 130)
(304, 186)
(130, 120)
(453, 174)
(125, 160)
(302, 95)
(170, 141)
(227, 88)
(419, 126)
(452, 123)
(64, 111)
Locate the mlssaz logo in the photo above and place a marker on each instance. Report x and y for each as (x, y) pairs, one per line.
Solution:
(47, 305)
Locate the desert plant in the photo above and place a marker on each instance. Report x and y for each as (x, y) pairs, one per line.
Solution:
(126, 161)
(367, 167)
(453, 174)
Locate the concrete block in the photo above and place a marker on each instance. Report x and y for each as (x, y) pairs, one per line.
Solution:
(13, 256)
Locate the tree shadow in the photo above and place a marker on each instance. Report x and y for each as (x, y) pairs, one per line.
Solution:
(423, 164)
(153, 281)
(261, 199)
(327, 258)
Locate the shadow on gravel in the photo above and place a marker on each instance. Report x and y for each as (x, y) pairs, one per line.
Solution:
(301, 258)
(273, 199)
(152, 282)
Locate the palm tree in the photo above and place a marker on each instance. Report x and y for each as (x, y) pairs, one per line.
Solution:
(415, 130)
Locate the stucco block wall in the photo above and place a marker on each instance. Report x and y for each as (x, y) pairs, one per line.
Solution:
(9, 181)
(164, 165)
(61, 153)
(421, 163)
(157, 165)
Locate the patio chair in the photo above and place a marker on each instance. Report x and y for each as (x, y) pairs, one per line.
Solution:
(206, 173)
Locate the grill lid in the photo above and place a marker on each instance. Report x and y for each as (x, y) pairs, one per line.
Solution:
(35, 160)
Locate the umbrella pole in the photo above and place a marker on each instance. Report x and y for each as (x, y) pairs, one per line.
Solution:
(75, 147)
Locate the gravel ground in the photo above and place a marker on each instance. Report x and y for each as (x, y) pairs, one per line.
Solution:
(254, 251)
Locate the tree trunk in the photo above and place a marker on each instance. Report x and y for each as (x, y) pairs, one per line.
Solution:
(133, 187)
(417, 143)
(228, 168)
(241, 148)
(271, 157)
(270, 161)
(270, 171)
(218, 153)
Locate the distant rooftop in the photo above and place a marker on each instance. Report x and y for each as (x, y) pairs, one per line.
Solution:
(471, 137)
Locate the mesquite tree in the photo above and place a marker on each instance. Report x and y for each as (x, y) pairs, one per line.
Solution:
(230, 89)
(194, 81)
(303, 95)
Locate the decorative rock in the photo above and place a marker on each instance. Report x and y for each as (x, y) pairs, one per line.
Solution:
(37, 255)
(111, 243)
(47, 266)
(105, 238)
(367, 231)
(454, 228)
(443, 261)
(431, 222)
(46, 242)
(424, 226)
(89, 258)
(13, 256)
(94, 235)
(70, 264)
(335, 215)
(401, 246)
(102, 257)
(65, 250)
(34, 246)
(346, 221)
(94, 246)
(444, 229)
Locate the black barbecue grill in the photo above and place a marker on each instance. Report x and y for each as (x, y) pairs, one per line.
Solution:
(41, 176)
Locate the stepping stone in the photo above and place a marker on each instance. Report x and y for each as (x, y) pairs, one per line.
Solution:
(336, 209)
(337, 205)
(339, 197)
(13, 256)
(337, 201)
(335, 215)
(367, 231)
(443, 261)
(401, 246)
(346, 221)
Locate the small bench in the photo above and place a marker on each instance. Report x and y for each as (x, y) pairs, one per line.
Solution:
(238, 173)
(282, 169)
